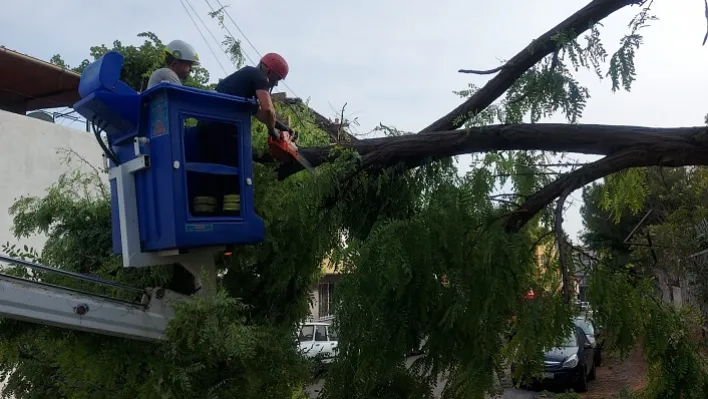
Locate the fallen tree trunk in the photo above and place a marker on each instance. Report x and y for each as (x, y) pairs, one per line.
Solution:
(624, 146)
(413, 149)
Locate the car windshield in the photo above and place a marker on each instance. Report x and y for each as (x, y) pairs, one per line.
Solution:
(570, 341)
(306, 333)
(585, 326)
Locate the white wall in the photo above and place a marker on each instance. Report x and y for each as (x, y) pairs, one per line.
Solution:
(29, 162)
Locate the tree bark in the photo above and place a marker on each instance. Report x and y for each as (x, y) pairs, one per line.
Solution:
(661, 144)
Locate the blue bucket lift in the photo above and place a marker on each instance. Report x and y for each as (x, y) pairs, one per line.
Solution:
(155, 169)
(163, 187)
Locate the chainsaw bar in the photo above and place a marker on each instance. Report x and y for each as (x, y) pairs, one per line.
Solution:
(305, 163)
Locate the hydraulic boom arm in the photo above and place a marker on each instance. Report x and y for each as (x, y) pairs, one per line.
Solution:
(37, 302)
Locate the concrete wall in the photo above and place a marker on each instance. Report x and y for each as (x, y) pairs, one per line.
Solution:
(29, 162)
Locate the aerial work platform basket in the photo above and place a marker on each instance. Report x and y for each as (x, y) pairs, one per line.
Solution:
(158, 170)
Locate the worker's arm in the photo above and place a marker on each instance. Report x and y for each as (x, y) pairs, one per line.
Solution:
(266, 111)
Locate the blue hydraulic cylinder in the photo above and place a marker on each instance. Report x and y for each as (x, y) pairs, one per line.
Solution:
(198, 188)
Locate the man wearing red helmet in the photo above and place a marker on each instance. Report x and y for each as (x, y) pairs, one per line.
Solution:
(258, 82)
(216, 141)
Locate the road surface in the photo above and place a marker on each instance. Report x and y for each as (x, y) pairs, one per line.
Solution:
(510, 392)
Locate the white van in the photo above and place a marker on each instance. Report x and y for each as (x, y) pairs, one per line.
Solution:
(317, 338)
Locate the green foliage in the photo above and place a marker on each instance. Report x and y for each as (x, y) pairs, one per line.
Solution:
(404, 230)
(631, 314)
(239, 344)
(601, 231)
(622, 62)
(139, 62)
(395, 271)
(626, 190)
(214, 346)
(233, 46)
(624, 291)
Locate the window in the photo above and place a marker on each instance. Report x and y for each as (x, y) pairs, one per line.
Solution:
(585, 326)
(332, 334)
(321, 334)
(570, 341)
(326, 300)
(306, 333)
(330, 299)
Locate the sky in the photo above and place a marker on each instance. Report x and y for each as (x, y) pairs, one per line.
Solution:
(391, 62)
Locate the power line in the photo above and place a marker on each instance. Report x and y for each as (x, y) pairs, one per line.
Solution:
(223, 9)
(200, 32)
(229, 32)
(249, 42)
(218, 43)
(237, 27)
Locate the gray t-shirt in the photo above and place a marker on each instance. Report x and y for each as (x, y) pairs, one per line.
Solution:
(161, 75)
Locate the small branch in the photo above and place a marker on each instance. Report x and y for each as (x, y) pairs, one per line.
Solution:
(584, 253)
(341, 123)
(483, 72)
(561, 165)
(544, 235)
(562, 253)
(528, 174)
(503, 201)
(706, 12)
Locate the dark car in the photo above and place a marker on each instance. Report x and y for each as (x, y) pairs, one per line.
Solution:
(594, 336)
(570, 364)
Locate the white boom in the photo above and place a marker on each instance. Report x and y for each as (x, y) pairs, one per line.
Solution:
(47, 304)
(55, 306)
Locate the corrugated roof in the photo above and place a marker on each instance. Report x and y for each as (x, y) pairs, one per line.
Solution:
(28, 83)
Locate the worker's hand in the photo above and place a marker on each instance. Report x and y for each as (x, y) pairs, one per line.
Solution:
(294, 135)
(272, 132)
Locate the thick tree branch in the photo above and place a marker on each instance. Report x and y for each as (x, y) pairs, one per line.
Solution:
(542, 46)
(640, 156)
(413, 149)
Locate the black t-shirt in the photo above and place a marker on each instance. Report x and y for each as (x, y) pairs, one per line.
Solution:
(243, 83)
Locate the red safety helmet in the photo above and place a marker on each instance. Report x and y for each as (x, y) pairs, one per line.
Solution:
(277, 63)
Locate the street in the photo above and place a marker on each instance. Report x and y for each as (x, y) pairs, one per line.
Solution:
(509, 392)
(611, 377)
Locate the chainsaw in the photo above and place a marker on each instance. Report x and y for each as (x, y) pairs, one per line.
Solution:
(284, 149)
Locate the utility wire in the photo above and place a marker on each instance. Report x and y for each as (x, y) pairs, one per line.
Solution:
(225, 11)
(249, 41)
(237, 27)
(201, 34)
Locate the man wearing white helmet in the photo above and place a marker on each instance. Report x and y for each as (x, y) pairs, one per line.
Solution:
(179, 60)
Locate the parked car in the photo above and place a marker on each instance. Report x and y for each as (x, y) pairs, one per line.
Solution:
(572, 363)
(318, 339)
(594, 336)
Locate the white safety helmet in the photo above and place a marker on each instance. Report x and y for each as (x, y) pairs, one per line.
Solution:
(182, 50)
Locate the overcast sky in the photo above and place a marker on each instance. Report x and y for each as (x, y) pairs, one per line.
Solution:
(391, 62)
